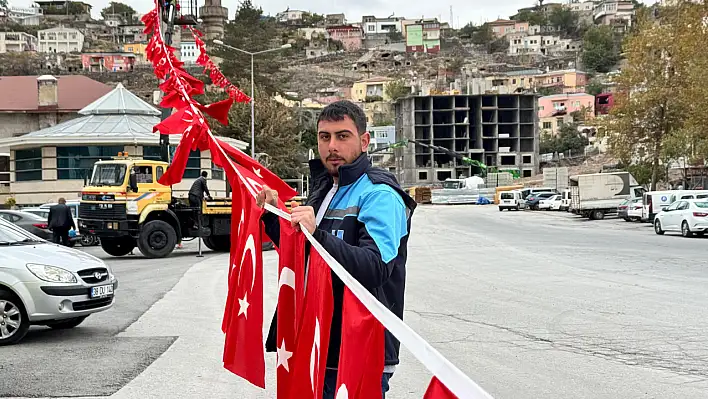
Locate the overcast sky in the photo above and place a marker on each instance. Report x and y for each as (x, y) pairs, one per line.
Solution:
(463, 10)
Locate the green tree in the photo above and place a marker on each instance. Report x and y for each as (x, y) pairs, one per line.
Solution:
(564, 20)
(397, 89)
(600, 53)
(126, 12)
(468, 30)
(655, 99)
(483, 35)
(568, 139)
(594, 88)
(3, 3)
(249, 31)
(276, 130)
(533, 17)
(500, 45)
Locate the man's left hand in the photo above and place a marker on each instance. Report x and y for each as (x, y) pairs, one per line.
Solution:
(304, 215)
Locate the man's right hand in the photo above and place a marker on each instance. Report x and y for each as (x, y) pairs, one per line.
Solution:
(267, 196)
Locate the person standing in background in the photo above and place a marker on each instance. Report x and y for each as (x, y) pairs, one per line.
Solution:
(60, 221)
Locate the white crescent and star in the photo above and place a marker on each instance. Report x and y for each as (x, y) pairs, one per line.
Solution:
(315, 355)
(257, 171)
(283, 356)
(287, 277)
(342, 392)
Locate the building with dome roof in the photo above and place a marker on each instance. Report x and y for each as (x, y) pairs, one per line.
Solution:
(58, 161)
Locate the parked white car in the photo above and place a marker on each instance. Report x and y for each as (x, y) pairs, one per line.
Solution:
(42, 283)
(511, 200)
(551, 203)
(688, 216)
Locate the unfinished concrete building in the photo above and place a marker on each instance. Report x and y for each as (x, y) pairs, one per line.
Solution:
(498, 130)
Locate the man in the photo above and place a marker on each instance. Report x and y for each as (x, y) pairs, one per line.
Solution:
(361, 216)
(60, 221)
(196, 193)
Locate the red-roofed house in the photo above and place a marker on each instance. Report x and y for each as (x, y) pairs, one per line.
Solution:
(31, 103)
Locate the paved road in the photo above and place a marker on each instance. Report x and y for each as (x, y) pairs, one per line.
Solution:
(546, 305)
(528, 304)
(91, 360)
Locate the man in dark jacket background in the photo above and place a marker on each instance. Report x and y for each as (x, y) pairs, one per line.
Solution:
(196, 193)
(60, 221)
(361, 217)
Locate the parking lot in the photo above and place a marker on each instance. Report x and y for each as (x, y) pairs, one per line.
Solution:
(528, 304)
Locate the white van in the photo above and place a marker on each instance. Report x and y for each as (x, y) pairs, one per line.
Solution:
(510, 200)
(565, 201)
(655, 201)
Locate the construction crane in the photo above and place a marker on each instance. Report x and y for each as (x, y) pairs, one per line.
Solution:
(180, 13)
(464, 159)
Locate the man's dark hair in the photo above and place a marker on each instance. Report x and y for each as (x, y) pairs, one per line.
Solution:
(204, 174)
(336, 112)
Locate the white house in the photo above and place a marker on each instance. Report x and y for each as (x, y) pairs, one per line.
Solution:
(376, 26)
(15, 42)
(189, 52)
(60, 40)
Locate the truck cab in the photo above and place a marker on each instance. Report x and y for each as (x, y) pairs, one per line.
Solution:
(125, 206)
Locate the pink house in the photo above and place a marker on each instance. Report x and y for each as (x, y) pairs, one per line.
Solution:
(556, 110)
(350, 36)
(502, 27)
(561, 104)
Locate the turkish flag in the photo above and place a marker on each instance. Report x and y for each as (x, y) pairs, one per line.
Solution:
(361, 354)
(309, 358)
(291, 290)
(244, 354)
(436, 390)
(258, 173)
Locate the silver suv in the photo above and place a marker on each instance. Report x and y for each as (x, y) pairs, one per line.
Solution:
(46, 284)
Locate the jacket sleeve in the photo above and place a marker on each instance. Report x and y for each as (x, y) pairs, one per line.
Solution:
(206, 189)
(272, 227)
(383, 223)
(49, 218)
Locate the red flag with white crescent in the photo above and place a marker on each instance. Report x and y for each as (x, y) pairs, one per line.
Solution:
(244, 353)
(309, 358)
(291, 280)
(436, 390)
(361, 354)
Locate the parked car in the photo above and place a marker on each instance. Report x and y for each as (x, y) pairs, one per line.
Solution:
(533, 199)
(510, 200)
(47, 284)
(41, 212)
(630, 209)
(550, 203)
(34, 224)
(688, 216)
(87, 239)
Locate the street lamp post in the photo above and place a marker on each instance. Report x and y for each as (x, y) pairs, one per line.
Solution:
(253, 92)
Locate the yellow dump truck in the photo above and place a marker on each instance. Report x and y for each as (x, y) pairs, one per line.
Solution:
(126, 210)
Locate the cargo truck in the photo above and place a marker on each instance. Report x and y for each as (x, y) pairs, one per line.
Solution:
(596, 195)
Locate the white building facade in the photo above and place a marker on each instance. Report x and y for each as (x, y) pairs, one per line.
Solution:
(60, 40)
(16, 42)
(189, 52)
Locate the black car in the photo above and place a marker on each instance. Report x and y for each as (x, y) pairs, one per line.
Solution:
(30, 222)
(533, 199)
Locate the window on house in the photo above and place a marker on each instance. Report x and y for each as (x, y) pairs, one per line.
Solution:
(28, 164)
(77, 162)
(217, 172)
(547, 125)
(513, 81)
(559, 122)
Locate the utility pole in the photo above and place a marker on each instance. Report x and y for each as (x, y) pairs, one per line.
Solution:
(167, 16)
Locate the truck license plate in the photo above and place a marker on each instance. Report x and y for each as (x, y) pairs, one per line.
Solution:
(102, 291)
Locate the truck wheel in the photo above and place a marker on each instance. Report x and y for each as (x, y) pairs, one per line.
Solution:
(218, 243)
(118, 246)
(597, 215)
(157, 239)
(14, 322)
